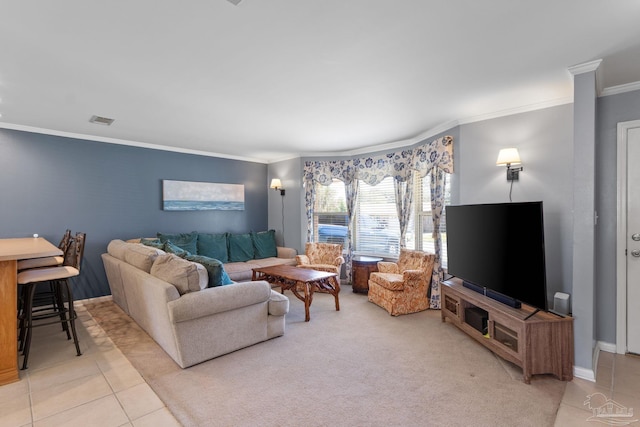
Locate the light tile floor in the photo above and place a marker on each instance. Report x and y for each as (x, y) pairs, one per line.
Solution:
(99, 388)
(617, 386)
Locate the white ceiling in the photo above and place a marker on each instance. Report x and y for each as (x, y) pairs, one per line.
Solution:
(268, 80)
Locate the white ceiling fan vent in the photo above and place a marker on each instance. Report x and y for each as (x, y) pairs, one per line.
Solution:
(101, 120)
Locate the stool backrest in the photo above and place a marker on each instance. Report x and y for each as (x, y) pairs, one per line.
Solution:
(65, 241)
(75, 251)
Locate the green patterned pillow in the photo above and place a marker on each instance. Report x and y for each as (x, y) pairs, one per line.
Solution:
(240, 247)
(264, 243)
(186, 241)
(154, 243)
(213, 246)
(213, 266)
(171, 248)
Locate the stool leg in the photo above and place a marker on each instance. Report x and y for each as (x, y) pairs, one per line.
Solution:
(29, 323)
(72, 317)
(59, 298)
(22, 316)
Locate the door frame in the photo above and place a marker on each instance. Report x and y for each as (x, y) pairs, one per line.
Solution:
(621, 238)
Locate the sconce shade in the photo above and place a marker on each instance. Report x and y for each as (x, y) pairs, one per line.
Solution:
(508, 156)
(275, 184)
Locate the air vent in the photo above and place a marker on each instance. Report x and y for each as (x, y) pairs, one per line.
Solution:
(234, 1)
(101, 120)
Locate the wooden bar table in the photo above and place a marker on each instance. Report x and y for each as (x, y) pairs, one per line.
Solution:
(12, 250)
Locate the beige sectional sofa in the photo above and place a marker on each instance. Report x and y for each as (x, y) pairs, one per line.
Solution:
(169, 298)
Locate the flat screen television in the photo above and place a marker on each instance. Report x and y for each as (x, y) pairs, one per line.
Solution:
(499, 248)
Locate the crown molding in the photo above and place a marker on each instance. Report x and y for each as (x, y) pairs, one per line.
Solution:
(585, 67)
(125, 142)
(517, 110)
(389, 145)
(615, 90)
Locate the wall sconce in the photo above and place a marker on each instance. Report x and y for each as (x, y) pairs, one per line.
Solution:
(277, 185)
(508, 157)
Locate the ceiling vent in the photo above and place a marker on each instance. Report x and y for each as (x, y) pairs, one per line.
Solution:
(234, 1)
(101, 120)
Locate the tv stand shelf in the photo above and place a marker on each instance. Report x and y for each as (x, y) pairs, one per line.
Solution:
(541, 343)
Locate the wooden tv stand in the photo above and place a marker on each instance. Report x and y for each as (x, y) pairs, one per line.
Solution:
(539, 344)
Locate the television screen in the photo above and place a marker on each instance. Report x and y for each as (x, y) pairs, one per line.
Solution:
(499, 247)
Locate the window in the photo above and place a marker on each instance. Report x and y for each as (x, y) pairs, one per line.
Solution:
(330, 213)
(377, 231)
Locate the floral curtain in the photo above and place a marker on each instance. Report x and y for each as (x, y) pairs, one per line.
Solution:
(437, 204)
(372, 170)
(404, 203)
(351, 197)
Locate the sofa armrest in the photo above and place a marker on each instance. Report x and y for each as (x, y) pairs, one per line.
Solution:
(210, 301)
(302, 260)
(278, 304)
(388, 267)
(286, 252)
(339, 261)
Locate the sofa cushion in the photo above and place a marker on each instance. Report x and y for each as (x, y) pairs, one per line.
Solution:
(116, 248)
(187, 241)
(264, 244)
(214, 268)
(185, 275)
(137, 255)
(213, 246)
(141, 256)
(240, 247)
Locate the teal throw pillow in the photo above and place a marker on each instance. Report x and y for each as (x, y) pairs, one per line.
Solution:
(240, 247)
(186, 241)
(213, 246)
(213, 266)
(154, 243)
(226, 280)
(264, 243)
(171, 248)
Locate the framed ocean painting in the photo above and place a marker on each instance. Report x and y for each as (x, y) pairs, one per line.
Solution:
(201, 196)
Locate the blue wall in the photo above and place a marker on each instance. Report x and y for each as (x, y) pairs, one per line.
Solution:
(50, 183)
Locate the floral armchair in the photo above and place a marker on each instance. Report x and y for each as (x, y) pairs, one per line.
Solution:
(401, 288)
(322, 257)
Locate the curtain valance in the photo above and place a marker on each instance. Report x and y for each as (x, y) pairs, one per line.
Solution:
(373, 169)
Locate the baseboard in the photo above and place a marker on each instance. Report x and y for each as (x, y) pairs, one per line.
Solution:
(584, 373)
(93, 300)
(607, 346)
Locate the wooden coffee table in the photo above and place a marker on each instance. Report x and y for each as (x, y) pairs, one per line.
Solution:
(289, 277)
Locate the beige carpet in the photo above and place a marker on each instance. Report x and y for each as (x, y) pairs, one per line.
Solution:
(355, 367)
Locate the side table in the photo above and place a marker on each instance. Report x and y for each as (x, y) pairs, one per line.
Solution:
(361, 267)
